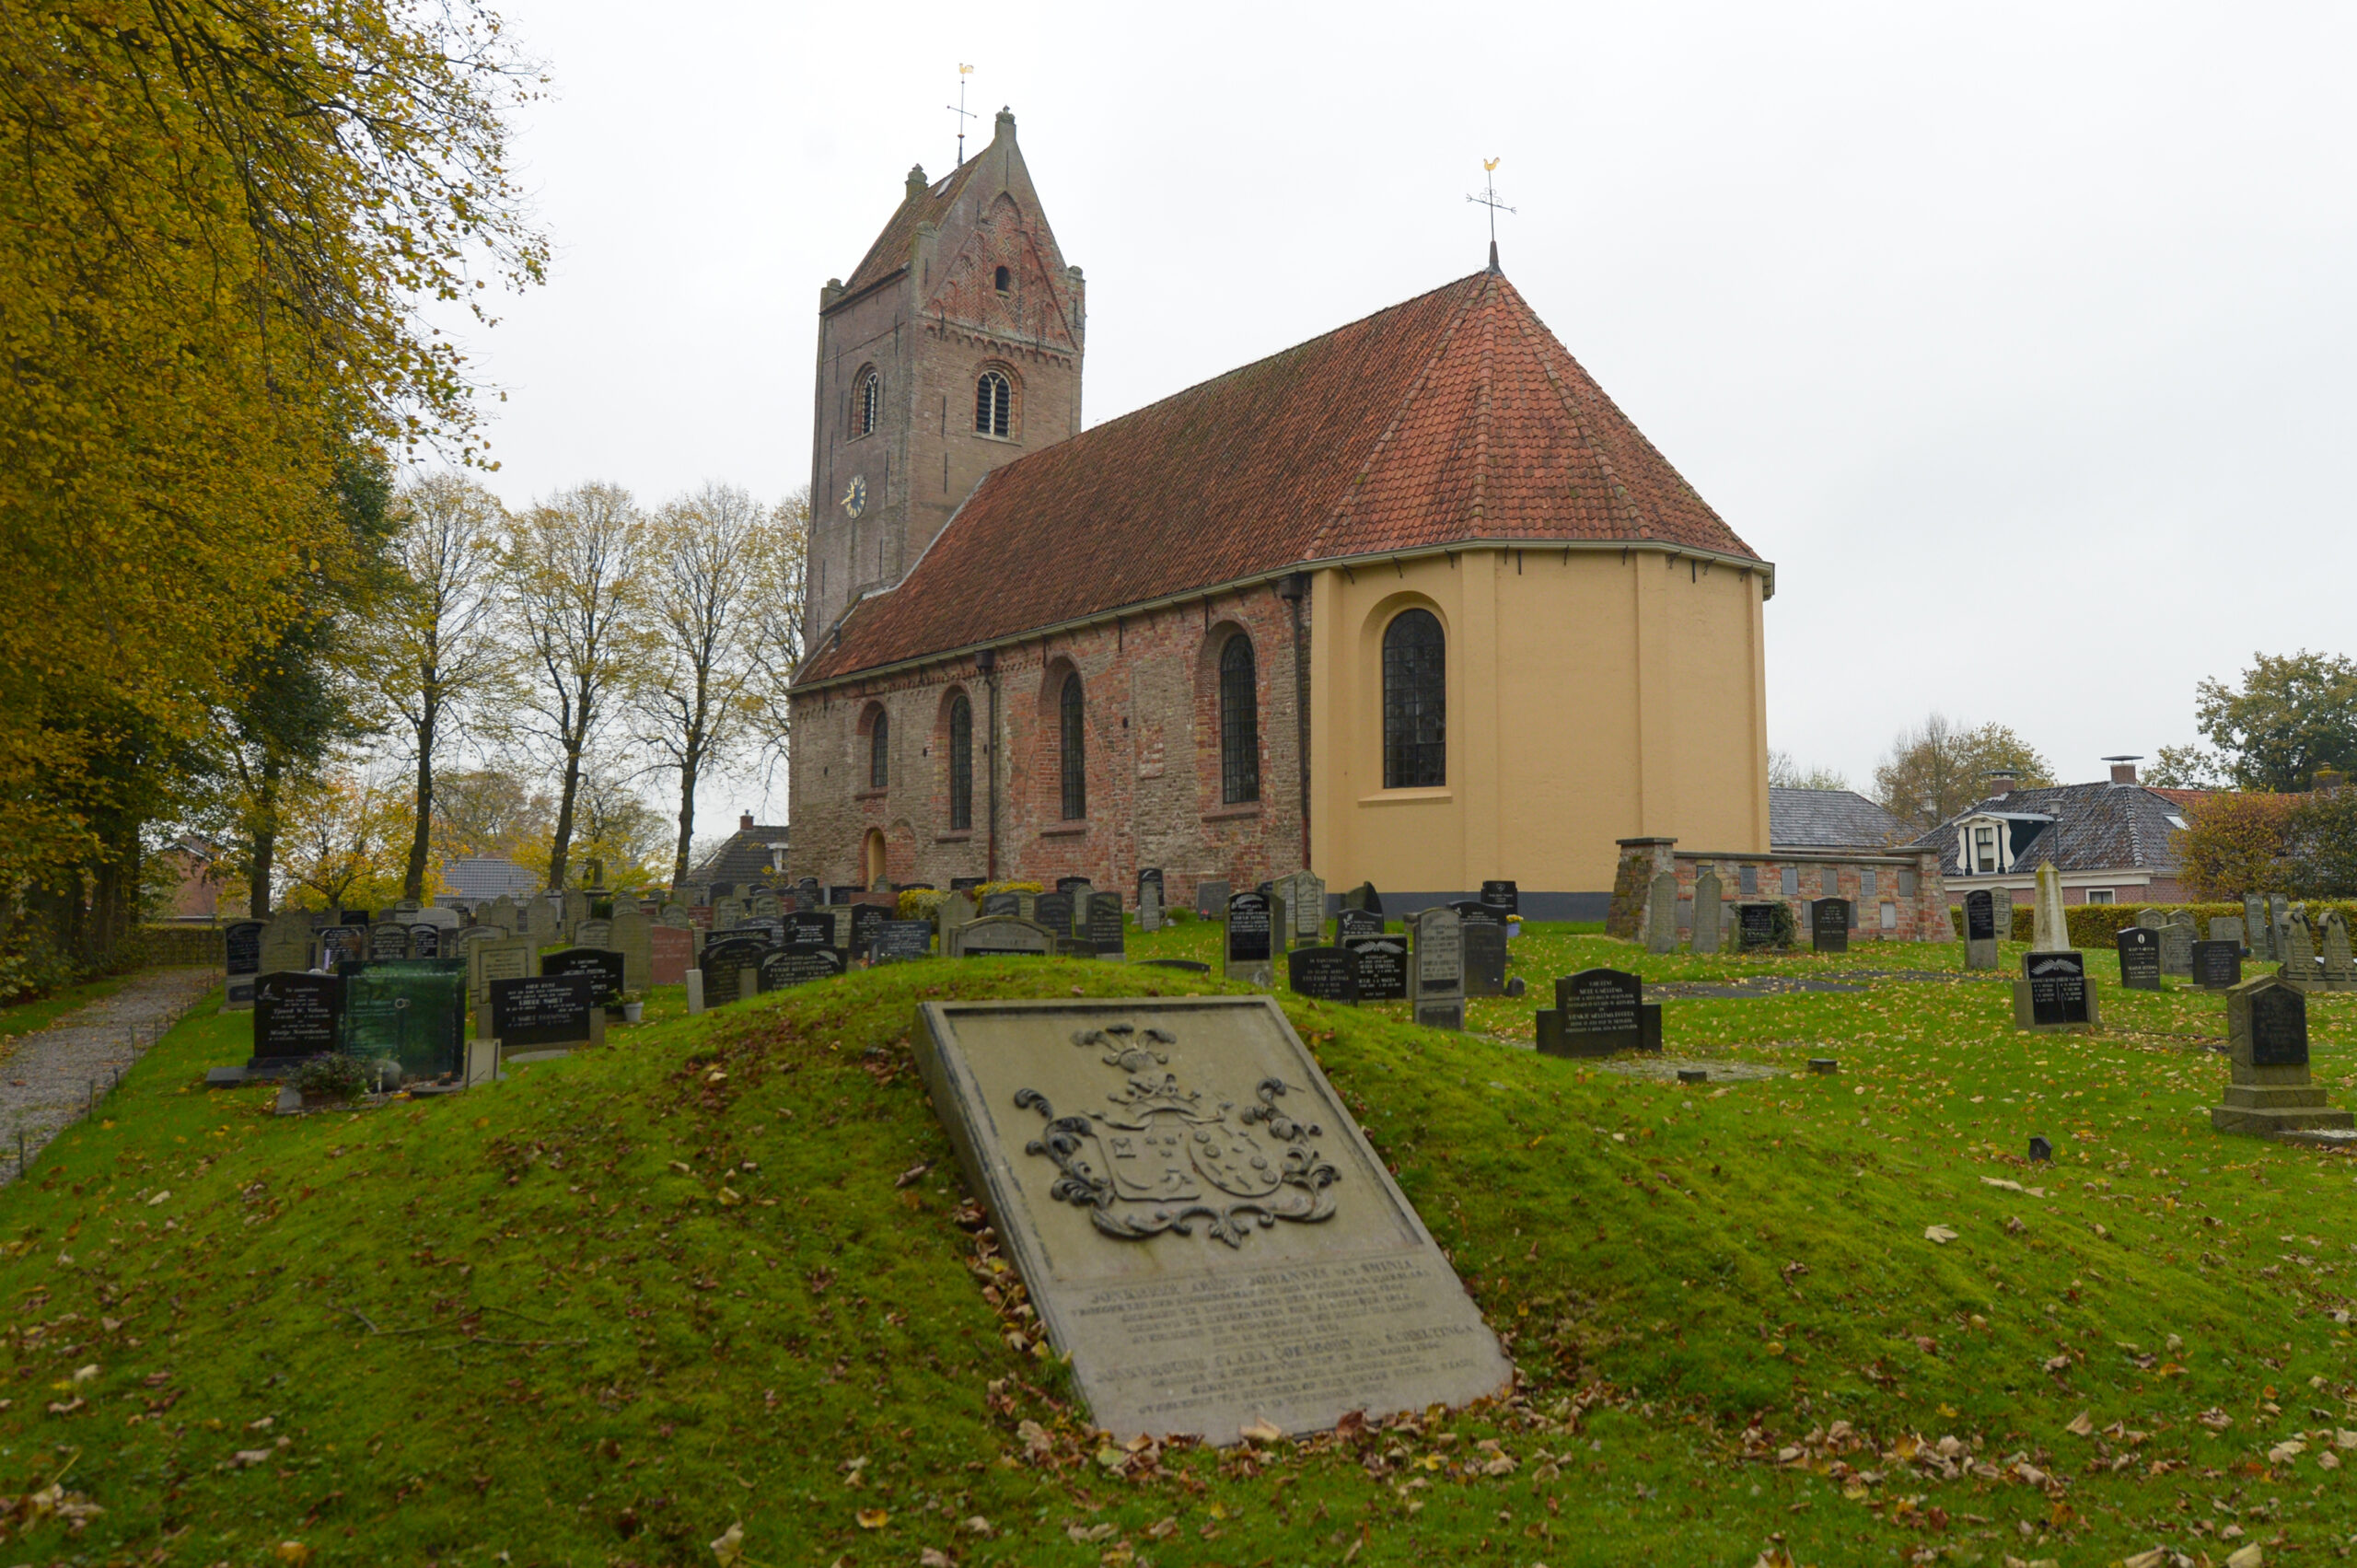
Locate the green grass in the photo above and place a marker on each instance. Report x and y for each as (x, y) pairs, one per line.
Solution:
(605, 1310)
(25, 1017)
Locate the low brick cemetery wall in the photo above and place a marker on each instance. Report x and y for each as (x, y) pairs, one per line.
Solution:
(1897, 897)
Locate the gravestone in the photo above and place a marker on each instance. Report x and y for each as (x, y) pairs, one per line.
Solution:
(2269, 1090)
(602, 962)
(241, 947)
(634, 938)
(1005, 904)
(341, 944)
(502, 913)
(2054, 993)
(460, 943)
(502, 958)
(1302, 1287)
(286, 943)
(726, 912)
(1380, 965)
(410, 1014)
(1485, 957)
(426, 942)
(2279, 913)
(542, 1011)
(2140, 957)
(1363, 897)
(2299, 944)
(2217, 966)
(2332, 952)
(965, 885)
(1828, 925)
(1150, 899)
(731, 967)
(1304, 894)
(2256, 935)
(575, 910)
(541, 921)
(781, 968)
(295, 1016)
(900, 941)
(1436, 968)
(1661, 914)
(1708, 911)
(773, 932)
(1329, 974)
(1597, 1012)
(1356, 923)
(2152, 919)
(671, 953)
(1072, 884)
(953, 911)
(2227, 928)
(1980, 930)
(2049, 927)
(387, 939)
(2178, 937)
(865, 920)
(678, 917)
(1248, 940)
(800, 929)
(1503, 896)
(1100, 924)
(1210, 898)
(1000, 936)
(597, 934)
(1758, 927)
(765, 905)
(2004, 911)
(1054, 912)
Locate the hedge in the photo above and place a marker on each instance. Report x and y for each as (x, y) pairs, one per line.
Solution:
(2095, 925)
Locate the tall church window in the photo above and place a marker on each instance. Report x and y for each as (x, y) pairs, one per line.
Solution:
(879, 750)
(993, 404)
(1240, 723)
(868, 404)
(961, 763)
(1072, 750)
(1416, 702)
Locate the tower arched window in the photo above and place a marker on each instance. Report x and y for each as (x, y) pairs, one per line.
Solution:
(1004, 281)
(1240, 723)
(1416, 702)
(879, 750)
(993, 404)
(868, 403)
(961, 763)
(1072, 750)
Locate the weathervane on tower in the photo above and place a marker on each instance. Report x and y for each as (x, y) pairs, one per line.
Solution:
(962, 113)
(1489, 198)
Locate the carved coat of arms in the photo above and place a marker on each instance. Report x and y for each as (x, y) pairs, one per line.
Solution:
(1160, 1157)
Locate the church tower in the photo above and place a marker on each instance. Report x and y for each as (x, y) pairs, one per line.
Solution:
(954, 347)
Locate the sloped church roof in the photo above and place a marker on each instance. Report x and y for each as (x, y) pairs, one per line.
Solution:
(1452, 418)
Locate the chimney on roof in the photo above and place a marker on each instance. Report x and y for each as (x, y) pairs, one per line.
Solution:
(2123, 770)
(745, 823)
(2001, 782)
(2328, 779)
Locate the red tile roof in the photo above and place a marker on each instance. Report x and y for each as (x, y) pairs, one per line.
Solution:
(890, 254)
(1453, 417)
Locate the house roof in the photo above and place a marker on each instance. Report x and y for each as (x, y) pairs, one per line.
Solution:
(2096, 827)
(1450, 418)
(924, 204)
(487, 876)
(742, 857)
(1829, 818)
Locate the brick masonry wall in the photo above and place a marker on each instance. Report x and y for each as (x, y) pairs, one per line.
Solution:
(1152, 685)
(1922, 916)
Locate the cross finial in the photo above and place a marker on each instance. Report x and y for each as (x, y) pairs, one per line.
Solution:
(1489, 198)
(959, 110)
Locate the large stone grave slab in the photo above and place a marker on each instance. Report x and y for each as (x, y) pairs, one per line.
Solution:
(1200, 1225)
(2269, 1090)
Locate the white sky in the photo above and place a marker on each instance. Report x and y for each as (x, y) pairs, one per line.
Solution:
(2014, 334)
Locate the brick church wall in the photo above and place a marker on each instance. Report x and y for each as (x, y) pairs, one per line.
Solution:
(1153, 743)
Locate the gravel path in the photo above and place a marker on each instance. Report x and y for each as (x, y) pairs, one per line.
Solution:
(46, 1077)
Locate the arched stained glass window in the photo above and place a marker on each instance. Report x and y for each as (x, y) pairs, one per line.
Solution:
(868, 404)
(961, 763)
(1240, 723)
(993, 404)
(879, 750)
(1416, 702)
(1072, 751)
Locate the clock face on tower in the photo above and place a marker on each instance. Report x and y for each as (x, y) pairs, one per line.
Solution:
(856, 497)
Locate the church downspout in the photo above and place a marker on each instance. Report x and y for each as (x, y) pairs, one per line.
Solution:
(987, 662)
(1295, 589)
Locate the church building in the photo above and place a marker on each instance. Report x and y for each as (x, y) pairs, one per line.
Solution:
(1413, 602)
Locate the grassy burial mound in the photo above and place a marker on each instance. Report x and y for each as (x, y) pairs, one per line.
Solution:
(719, 1281)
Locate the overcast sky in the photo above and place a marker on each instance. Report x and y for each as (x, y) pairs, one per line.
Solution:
(2014, 335)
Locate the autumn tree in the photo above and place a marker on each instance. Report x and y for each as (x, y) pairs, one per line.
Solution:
(339, 833)
(2292, 715)
(572, 572)
(2234, 844)
(1937, 769)
(777, 644)
(1783, 772)
(433, 644)
(711, 572)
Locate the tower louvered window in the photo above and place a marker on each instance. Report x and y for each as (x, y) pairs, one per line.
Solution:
(961, 763)
(1240, 723)
(993, 404)
(1072, 751)
(1416, 702)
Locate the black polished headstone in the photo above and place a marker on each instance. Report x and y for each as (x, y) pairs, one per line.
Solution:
(1330, 974)
(898, 941)
(1072, 884)
(966, 884)
(602, 962)
(1598, 1012)
(2279, 1028)
(2140, 957)
(1755, 926)
(1248, 928)
(1002, 903)
(297, 1015)
(864, 920)
(1980, 917)
(1100, 922)
(1363, 897)
(1470, 911)
(1503, 897)
(1356, 923)
(340, 944)
(1381, 964)
(1190, 964)
(1485, 957)
(798, 965)
(1828, 925)
(2217, 965)
(724, 959)
(543, 1009)
(1054, 912)
(2058, 987)
(424, 942)
(241, 941)
(801, 929)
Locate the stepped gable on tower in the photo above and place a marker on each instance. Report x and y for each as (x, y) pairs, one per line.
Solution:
(1453, 418)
